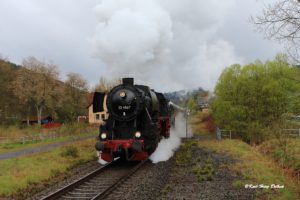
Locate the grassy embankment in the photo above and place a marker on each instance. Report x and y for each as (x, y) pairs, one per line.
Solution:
(36, 171)
(285, 152)
(257, 165)
(13, 136)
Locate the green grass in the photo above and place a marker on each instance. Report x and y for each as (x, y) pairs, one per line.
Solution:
(11, 147)
(63, 133)
(185, 155)
(19, 173)
(13, 132)
(205, 171)
(286, 152)
(256, 168)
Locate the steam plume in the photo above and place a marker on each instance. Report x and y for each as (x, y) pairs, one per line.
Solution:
(167, 147)
(174, 38)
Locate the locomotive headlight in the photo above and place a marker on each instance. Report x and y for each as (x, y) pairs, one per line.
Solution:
(103, 136)
(122, 94)
(138, 134)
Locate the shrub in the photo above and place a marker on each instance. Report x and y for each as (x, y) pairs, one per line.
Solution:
(70, 151)
(252, 97)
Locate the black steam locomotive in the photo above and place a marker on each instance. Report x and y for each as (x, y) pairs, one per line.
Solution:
(138, 118)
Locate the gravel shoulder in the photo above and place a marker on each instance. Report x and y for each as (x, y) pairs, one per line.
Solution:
(206, 176)
(174, 179)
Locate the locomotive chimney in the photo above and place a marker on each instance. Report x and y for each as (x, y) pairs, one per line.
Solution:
(127, 81)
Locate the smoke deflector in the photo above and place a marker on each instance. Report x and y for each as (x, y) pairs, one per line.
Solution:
(98, 101)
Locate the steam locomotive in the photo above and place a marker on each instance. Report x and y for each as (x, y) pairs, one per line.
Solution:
(138, 118)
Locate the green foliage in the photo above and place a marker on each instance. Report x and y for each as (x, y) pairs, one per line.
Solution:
(70, 151)
(285, 151)
(38, 169)
(73, 129)
(185, 155)
(205, 172)
(192, 104)
(238, 184)
(255, 167)
(255, 96)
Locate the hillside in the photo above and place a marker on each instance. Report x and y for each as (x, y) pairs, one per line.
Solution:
(21, 87)
(8, 100)
(181, 96)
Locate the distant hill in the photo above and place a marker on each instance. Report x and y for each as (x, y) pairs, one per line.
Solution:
(181, 96)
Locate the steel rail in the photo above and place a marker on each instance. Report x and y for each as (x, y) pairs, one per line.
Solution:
(101, 195)
(111, 188)
(58, 193)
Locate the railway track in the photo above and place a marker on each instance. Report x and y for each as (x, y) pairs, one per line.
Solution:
(98, 184)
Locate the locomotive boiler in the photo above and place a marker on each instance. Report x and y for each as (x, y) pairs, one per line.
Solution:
(138, 117)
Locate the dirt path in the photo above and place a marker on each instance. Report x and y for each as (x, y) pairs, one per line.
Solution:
(39, 149)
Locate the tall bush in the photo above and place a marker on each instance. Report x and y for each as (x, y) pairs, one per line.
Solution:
(255, 96)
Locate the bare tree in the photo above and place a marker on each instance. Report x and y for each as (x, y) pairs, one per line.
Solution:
(76, 90)
(105, 85)
(76, 81)
(281, 21)
(37, 85)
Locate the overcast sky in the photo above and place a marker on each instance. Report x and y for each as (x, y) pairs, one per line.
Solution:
(167, 44)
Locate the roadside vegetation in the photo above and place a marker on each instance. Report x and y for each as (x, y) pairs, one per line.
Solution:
(15, 131)
(256, 169)
(273, 161)
(286, 153)
(254, 165)
(39, 169)
(13, 138)
(253, 100)
(260, 102)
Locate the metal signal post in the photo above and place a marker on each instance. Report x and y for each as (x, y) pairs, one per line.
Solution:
(187, 113)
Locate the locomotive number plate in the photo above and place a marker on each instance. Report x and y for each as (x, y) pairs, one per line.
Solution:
(124, 107)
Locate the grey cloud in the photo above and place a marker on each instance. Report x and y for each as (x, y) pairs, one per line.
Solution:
(173, 44)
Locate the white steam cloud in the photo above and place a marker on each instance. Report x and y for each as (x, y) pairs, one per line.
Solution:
(168, 44)
(167, 147)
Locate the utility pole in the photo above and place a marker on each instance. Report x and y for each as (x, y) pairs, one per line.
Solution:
(187, 113)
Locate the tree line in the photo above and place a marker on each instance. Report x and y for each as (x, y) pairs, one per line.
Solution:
(34, 88)
(256, 99)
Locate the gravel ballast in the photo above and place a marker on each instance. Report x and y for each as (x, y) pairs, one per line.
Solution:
(207, 175)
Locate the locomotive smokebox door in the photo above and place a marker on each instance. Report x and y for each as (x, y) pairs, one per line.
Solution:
(98, 101)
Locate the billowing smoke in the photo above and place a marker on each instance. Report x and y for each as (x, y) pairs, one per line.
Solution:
(173, 39)
(132, 35)
(167, 147)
